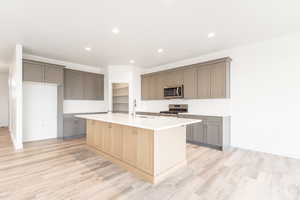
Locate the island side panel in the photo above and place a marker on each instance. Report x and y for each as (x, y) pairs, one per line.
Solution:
(128, 147)
(169, 149)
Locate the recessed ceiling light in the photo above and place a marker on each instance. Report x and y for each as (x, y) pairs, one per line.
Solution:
(132, 61)
(160, 50)
(88, 48)
(115, 30)
(211, 35)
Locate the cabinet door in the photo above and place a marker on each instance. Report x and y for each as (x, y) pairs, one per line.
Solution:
(54, 74)
(98, 134)
(130, 144)
(203, 80)
(218, 80)
(90, 133)
(91, 87)
(190, 83)
(69, 126)
(174, 78)
(214, 133)
(33, 72)
(153, 87)
(160, 86)
(145, 150)
(145, 87)
(107, 138)
(100, 84)
(189, 133)
(198, 132)
(117, 140)
(73, 87)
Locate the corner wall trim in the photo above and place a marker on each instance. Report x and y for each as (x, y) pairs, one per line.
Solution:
(17, 145)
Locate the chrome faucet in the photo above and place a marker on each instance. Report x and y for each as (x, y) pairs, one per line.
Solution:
(133, 109)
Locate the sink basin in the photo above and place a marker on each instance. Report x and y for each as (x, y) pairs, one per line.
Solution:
(144, 116)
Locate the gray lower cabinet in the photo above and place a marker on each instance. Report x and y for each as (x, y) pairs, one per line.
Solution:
(212, 131)
(74, 127)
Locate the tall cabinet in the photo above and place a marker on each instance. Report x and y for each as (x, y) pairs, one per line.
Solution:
(41, 72)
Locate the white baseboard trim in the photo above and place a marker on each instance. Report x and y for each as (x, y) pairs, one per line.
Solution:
(283, 154)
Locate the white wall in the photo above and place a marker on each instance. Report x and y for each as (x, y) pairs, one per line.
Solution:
(3, 99)
(15, 98)
(78, 106)
(265, 95)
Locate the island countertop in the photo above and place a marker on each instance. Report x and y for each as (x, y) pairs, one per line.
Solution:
(155, 123)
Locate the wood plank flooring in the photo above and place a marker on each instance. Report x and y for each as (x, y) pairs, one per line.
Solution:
(54, 169)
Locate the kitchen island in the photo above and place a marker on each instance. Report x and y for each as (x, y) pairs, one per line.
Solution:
(151, 147)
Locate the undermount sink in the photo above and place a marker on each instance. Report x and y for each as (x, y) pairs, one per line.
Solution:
(144, 116)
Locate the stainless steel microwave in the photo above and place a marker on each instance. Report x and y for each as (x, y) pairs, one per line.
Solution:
(173, 92)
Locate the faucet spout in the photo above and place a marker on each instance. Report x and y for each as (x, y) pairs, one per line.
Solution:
(134, 109)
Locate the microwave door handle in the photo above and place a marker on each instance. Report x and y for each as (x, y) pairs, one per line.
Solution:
(177, 91)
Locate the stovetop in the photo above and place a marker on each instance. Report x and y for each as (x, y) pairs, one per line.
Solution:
(175, 109)
(169, 112)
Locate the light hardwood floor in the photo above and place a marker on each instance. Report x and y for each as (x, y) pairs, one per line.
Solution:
(55, 169)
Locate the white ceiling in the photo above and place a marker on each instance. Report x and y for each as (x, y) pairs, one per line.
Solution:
(61, 29)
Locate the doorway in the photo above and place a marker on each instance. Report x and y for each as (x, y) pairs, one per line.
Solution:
(120, 98)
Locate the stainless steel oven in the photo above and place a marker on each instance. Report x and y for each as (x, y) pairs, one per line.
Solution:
(173, 92)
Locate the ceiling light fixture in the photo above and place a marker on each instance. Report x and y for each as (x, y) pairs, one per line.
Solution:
(211, 35)
(160, 50)
(115, 30)
(88, 48)
(132, 61)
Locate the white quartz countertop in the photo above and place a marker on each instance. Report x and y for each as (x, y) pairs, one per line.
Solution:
(206, 114)
(155, 123)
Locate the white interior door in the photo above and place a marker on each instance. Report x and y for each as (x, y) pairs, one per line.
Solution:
(39, 111)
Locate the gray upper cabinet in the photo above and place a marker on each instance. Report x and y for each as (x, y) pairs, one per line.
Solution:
(54, 74)
(33, 71)
(204, 82)
(42, 72)
(160, 84)
(83, 85)
(201, 81)
(73, 84)
(174, 78)
(153, 87)
(145, 87)
(190, 83)
(218, 80)
(93, 89)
